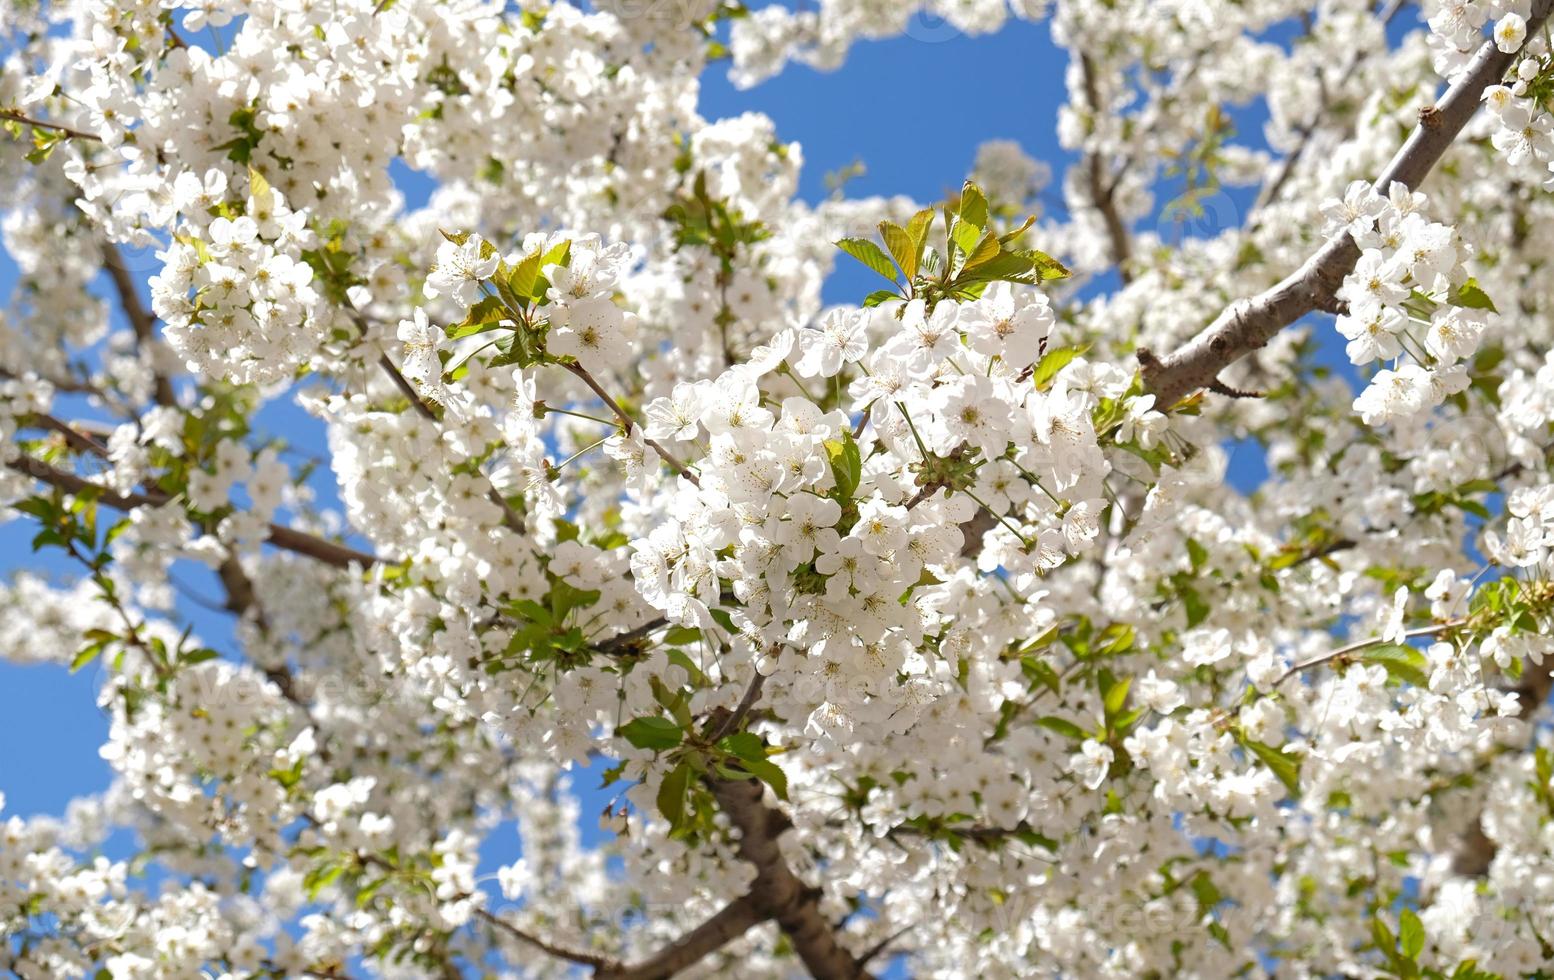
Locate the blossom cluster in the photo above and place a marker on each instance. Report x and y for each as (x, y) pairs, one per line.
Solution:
(915, 624)
(1410, 279)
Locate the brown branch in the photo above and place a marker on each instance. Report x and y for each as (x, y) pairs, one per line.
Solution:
(777, 892)
(1248, 325)
(281, 536)
(72, 385)
(510, 517)
(618, 643)
(629, 423)
(29, 121)
(580, 957)
(729, 724)
(80, 441)
(1343, 653)
(1270, 191)
(731, 922)
(141, 320)
(1102, 191)
(1475, 851)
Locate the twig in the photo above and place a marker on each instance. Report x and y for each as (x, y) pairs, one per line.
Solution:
(29, 121)
(1270, 191)
(1344, 652)
(731, 723)
(142, 321)
(285, 538)
(628, 423)
(600, 963)
(510, 517)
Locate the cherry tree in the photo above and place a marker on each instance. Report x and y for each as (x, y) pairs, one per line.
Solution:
(924, 630)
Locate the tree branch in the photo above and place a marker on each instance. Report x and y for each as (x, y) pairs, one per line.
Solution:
(1475, 851)
(281, 536)
(29, 121)
(629, 423)
(1103, 191)
(730, 723)
(731, 922)
(577, 956)
(510, 517)
(1270, 191)
(1375, 641)
(1248, 325)
(777, 892)
(141, 319)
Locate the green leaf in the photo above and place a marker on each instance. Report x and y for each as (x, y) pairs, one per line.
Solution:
(846, 464)
(1286, 767)
(1114, 639)
(917, 228)
(1055, 360)
(1197, 553)
(87, 655)
(651, 733)
(1411, 934)
(1403, 663)
(524, 276)
(320, 878)
(965, 236)
(365, 893)
(1042, 672)
(1383, 938)
(901, 245)
(1047, 268)
(1117, 696)
(986, 251)
(1469, 295)
(1063, 727)
(880, 296)
(870, 255)
(1197, 608)
(973, 205)
(1009, 237)
(258, 187)
(671, 795)
(745, 745)
(769, 773)
(484, 315)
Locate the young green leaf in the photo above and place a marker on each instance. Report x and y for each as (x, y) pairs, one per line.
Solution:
(870, 255)
(671, 794)
(651, 733)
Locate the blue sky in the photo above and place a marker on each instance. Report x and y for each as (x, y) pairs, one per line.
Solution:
(1008, 86)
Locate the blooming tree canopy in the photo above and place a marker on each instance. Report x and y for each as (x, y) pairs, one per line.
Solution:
(925, 629)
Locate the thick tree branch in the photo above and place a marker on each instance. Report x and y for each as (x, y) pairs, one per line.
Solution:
(731, 922)
(281, 536)
(777, 892)
(1247, 325)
